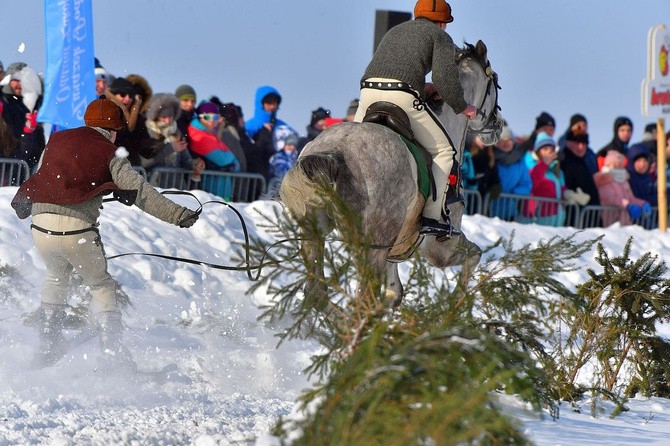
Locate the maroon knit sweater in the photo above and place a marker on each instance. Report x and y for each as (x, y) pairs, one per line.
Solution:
(74, 169)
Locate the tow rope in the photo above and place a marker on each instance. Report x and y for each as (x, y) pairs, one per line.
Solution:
(248, 268)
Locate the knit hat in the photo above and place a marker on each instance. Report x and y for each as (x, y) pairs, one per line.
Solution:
(435, 10)
(577, 117)
(207, 107)
(101, 73)
(319, 114)
(121, 85)
(577, 137)
(104, 113)
(544, 119)
(291, 139)
(353, 107)
(543, 140)
(332, 121)
(185, 92)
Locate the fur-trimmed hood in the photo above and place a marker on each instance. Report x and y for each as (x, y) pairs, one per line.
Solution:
(163, 104)
(143, 89)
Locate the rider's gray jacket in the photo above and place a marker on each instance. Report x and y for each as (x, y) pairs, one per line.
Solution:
(411, 50)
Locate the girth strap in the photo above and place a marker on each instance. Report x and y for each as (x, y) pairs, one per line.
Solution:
(75, 232)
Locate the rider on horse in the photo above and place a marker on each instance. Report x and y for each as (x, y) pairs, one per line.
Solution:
(396, 74)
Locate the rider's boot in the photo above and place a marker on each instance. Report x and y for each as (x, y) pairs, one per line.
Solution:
(52, 343)
(115, 358)
(442, 230)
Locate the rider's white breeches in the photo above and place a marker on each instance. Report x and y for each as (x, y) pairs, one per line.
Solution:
(82, 253)
(427, 132)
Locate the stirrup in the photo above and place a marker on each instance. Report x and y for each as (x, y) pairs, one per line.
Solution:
(442, 231)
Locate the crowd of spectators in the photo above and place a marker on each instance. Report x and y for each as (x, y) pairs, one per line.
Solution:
(620, 177)
(179, 129)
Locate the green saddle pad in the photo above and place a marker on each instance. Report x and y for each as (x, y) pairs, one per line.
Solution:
(423, 181)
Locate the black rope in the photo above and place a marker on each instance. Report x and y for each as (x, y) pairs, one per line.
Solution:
(248, 268)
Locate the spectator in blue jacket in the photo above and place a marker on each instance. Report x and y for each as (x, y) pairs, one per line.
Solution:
(514, 176)
(262, 129)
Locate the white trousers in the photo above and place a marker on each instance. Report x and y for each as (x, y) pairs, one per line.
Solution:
(63, 254)
(426, 131)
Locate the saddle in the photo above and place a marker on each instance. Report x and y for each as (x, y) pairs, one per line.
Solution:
(394, 117)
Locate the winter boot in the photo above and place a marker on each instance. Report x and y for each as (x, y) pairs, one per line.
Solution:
(115, 358)
(52, 345)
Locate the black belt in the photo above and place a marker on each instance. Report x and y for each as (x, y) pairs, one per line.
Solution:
(75, 232)
(391, 85)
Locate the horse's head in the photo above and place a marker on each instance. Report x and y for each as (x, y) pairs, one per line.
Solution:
(480, 85)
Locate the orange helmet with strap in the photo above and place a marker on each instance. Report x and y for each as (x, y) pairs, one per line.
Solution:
(435, 10)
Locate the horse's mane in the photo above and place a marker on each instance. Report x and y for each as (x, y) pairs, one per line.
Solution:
(469, 50)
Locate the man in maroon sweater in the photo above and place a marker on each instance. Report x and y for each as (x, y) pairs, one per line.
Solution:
(64, 197)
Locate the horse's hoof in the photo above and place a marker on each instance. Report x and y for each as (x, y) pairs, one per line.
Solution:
(393, 297)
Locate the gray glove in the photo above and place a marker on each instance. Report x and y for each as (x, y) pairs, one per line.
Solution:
(188, 218)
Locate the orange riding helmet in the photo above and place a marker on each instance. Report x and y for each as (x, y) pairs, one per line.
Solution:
(435, 10)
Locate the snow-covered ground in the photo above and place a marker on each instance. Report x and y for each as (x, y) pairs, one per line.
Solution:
(232, 381)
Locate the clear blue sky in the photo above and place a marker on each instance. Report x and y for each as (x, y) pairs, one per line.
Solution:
(564, 56)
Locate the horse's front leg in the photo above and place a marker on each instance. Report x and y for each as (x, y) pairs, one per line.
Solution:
(373, 274)
(394, 289)
(316, 289)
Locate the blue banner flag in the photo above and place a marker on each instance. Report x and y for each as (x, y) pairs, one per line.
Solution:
(69, 84)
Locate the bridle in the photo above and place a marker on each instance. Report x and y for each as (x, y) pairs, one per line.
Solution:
(489, 118)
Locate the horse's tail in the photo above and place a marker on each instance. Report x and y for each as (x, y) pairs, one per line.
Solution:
(299, 187)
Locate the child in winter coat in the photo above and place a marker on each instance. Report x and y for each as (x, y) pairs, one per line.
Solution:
(282, 161)
(642, 182)
(614, 190)
(548, 182)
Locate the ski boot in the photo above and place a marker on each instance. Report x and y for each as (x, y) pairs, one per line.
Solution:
(52, 343)
(115, 358)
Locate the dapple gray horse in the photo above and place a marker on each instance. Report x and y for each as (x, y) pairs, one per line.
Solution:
(373, 172)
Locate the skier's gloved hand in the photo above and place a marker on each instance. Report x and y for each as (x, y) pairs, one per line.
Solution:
(646, 209)
(188, 218)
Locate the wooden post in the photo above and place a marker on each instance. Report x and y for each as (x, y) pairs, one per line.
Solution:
(661, 176)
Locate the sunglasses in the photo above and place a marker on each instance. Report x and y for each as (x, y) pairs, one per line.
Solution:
(210, 116)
